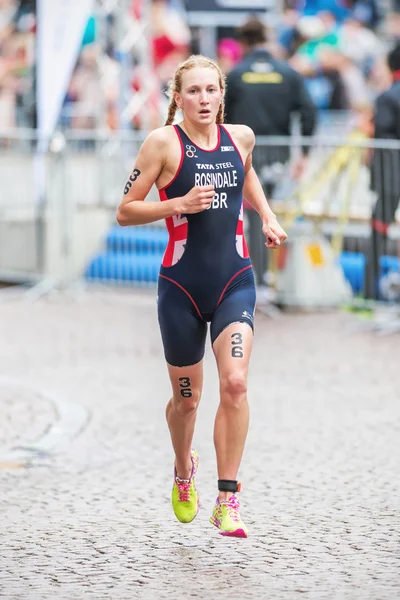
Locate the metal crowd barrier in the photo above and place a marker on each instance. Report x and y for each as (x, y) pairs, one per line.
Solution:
(346, 207)
(57, 215)
(20, 235)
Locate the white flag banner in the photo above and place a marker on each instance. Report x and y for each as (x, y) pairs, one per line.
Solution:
(61, 25)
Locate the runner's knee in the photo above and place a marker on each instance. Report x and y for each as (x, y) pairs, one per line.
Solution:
(233, 388)
(187, 404)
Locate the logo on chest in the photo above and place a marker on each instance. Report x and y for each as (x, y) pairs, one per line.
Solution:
(191, 151)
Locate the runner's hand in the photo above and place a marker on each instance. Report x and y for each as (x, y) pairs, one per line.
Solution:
(274, 233)
(198, 199)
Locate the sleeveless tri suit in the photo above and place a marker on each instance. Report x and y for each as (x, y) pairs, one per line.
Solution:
(206, 273)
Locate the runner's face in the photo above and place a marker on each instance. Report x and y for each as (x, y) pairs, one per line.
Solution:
(201, 95)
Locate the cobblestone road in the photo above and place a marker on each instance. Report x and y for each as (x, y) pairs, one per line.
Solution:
(320, 472)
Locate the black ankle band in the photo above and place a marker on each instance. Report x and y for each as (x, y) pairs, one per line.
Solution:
(228, 485)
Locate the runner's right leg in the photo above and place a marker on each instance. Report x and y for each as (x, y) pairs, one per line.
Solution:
(183, 332)
(181, 414)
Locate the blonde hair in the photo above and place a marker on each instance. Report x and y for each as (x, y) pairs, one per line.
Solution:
(175, 85)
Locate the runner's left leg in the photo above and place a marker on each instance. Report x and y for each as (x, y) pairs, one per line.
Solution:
(232, 350)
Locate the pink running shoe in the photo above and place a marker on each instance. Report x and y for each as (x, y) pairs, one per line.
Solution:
(226, 518)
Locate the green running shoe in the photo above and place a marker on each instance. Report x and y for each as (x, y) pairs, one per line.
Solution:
(185, 498)
(226, 517)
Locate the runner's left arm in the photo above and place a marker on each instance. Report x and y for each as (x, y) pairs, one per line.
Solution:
(254, 194)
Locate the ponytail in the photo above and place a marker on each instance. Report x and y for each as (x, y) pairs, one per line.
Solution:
(220, 113)
(172, 108)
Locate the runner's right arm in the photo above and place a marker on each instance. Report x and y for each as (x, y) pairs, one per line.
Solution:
(150, 162)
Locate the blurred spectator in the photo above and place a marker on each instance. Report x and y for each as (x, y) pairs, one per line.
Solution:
(170, 39)
(287, 34)
(360, 43)
(342, 63)
(340, 9)
(7, 85)
(366, 9)
(84, 93)
(8, 10)
(110, 86)
(316, 59)
(93, 94)
(393, 25)
(264, 93)
(17, 28)
(336, 59)
(229, 53)
(170, 44)
(385, 172)
(355, 89)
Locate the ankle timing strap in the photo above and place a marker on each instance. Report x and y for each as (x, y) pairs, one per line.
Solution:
(229, 485)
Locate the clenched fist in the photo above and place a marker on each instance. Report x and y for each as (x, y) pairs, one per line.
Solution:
(274, 233)
(198, 199)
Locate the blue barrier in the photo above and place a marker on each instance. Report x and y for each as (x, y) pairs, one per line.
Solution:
(141, 240)
(121, 267)
(134, 254)
(389, 264)
(353, 265)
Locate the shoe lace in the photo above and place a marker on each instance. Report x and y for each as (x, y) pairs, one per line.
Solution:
(183, 489)
(232, 505)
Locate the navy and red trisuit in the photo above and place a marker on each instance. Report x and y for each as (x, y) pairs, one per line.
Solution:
(206, 273)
